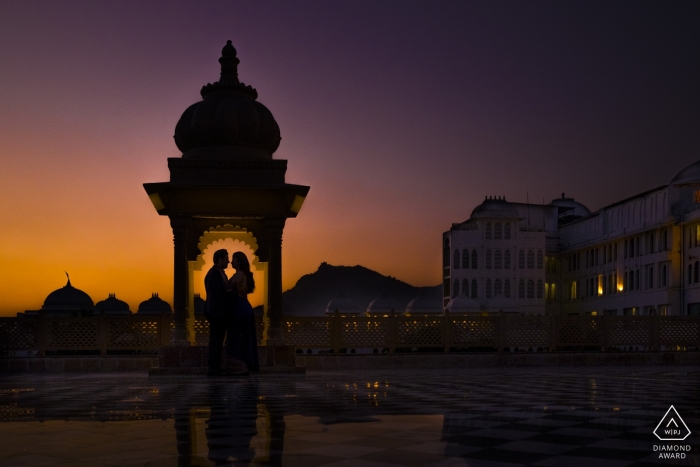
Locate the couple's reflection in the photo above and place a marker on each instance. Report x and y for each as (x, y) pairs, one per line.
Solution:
(233, 423)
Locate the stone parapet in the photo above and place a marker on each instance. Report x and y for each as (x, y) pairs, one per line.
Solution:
(410, 361)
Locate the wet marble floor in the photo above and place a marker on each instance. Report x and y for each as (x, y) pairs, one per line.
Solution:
(495, 417)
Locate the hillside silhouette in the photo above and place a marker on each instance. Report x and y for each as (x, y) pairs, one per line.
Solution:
(311, 294)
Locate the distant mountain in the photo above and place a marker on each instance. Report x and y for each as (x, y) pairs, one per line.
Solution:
(311, 294)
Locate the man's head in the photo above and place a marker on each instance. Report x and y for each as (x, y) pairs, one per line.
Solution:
(221, 258)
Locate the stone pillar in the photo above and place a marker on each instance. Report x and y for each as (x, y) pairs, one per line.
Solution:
(181, 227)
(273, 332)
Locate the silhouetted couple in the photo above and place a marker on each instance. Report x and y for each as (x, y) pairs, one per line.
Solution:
(230, 315)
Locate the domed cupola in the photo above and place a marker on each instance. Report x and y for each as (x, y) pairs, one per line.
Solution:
(463, 304)
(690, 176)
(495, 208)
(570, 208)
(68, 298)
(154, 306)
(343, 305)
(112, 306)
(424, 303)
(382, 305)
(228, 124)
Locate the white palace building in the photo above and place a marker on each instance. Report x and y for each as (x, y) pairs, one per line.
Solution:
(638, 256)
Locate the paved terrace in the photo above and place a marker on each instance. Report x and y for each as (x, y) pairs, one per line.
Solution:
(495, 417)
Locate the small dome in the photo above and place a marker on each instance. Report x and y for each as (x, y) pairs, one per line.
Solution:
(497, 208)
(154, 306)
(113, 306)
(462, 304)
(424, 304)
(198, 305)
(228, 121)
(343, 305)
(68, 298)
(569, 207)
(499, 302)
(382, 305)
(689, 176)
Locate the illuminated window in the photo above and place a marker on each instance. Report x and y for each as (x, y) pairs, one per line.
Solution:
(456, 259)
(465, 259)
(574, 292)
(506, 260)
(497, 231)
(497, 259)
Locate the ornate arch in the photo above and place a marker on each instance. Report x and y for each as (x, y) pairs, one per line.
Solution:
(223, 232)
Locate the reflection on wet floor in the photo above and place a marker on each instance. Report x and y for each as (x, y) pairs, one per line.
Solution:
(495, 417)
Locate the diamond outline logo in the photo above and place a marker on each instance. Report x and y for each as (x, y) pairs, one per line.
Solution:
(674, 415)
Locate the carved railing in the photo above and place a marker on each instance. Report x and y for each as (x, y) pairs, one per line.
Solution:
(338, 333)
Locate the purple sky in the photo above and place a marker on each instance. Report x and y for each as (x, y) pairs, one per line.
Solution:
(400, 115)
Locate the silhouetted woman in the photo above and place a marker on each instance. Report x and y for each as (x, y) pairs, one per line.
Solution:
(242, 332)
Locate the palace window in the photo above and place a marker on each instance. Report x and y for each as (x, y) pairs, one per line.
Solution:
(530, 289)
(465, 287)
(446, 254)
(540, 259)
(488, 231)
(497, 231)
(530, 259)
(506, 260)
(539, 288)
(455, 290)
(497, 287)
(507, 231)
(474, 289)
(488, 288)
(498, 259)
(506, 288)
(521, 259)
(488, 259)
(465, 259)
(521, 288)
(456, 259)
(474, 263)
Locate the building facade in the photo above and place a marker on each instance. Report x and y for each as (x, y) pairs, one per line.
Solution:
(637, 256)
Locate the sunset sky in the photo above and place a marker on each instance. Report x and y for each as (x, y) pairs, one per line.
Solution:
(400, 115)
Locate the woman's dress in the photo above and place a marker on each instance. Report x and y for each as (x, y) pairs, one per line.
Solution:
(245, 342)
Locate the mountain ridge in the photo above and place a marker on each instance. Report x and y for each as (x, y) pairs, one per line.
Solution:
(312, 292)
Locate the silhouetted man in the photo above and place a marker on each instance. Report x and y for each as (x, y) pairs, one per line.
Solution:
(217, 310)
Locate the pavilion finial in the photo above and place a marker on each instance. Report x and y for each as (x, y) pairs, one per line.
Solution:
(68, 284)
(229, 64)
